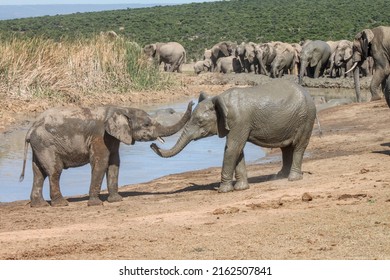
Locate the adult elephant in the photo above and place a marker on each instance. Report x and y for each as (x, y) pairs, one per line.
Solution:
(171, 53)
(376, 43)
(341, 60)
(266, 53)
(70, 137)
(221, 49)
(248, 53)
(285, 60)
(277, 114)
(314, 59)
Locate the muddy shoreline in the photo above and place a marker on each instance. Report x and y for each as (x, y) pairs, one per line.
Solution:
(339, 210)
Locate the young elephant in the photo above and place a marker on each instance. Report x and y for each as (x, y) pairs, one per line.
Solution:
(278, 114)
(70, 137)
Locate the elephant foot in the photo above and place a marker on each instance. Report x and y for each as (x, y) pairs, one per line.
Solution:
(58, 202)
(375, 97)
(39, 203)
(116, 197)
(295, 176)
(282, 174)
(94, 201)
(225, 187)
(241, 185)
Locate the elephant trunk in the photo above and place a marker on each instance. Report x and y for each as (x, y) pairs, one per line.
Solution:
(302, 71)
(163, 131)
(179, 146)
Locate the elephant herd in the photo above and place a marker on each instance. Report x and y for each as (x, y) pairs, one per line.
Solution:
(367, 55)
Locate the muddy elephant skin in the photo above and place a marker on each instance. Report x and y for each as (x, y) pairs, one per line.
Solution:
(61, 138)
(277, 114)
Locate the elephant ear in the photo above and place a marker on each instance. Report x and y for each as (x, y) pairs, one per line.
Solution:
(222, 114)
(224, 49)
(367, 36)
(347, 54)
(117, 125)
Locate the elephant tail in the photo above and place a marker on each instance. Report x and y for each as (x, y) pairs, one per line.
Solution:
(27, 141)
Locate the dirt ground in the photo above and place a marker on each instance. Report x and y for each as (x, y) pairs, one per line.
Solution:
(340, 210)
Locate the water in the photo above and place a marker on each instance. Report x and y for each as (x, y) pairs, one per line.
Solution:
(138, 162)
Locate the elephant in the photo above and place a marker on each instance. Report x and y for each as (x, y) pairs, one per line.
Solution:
(171, 53)
(202, 66)
(228, 64)
(375, 43)
(298, 50)
(341, 59)
(222, 49)
(314, 59)
(279, 113)
(266, 53)
(246, 52)
(61, 138)
(285, 60)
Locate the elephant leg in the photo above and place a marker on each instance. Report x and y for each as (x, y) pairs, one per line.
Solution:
(287, 157)
(55, 193)
(241, 174)
(317, 70)
(112, 175)
(233, 150)
(36, 192)
(377, 79)
(99, 165)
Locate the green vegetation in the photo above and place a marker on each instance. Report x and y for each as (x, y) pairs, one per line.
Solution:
(200, 25)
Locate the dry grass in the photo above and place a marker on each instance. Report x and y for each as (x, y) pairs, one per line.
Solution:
(46, 69)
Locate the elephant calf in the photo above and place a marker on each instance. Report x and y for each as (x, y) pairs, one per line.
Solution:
(278, 114)
(70, 137)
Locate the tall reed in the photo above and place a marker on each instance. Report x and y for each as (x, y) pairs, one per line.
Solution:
(40, 67)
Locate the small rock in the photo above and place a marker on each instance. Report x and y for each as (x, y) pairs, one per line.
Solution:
(307, 197)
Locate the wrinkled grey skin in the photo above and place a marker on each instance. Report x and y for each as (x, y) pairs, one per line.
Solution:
(285, 60)
(341, 59)
(250, 57)
(376, 43)
(171, 53)
(70, 137)
(228, 64)
(222, 49)
(314, 59)
(266, 54)
(278, 114)
(202, 66)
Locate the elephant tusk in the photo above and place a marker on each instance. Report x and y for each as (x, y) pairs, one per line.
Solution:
(161, 140)
(353, 67)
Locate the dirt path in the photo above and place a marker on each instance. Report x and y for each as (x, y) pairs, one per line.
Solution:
(340, 210)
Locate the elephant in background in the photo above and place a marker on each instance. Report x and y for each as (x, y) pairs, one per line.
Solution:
(202, 66)
(228, 64)
(314, 59)
(219, 50)
(61, 138)
(375, 43)
(248, 54)
(285, 60)
(341, 59)
(298, 49)
(171, 53)
(266, 53)
(277, 114)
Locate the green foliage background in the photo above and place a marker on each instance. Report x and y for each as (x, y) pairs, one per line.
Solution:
(200, 25)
